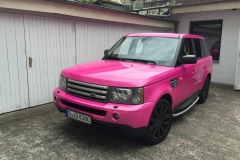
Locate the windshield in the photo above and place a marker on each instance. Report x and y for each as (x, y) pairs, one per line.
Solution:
(157, 50)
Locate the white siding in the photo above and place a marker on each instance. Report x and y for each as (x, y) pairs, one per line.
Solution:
(225, 70)
(93, 38)
(50, 42)
(13, 81)
(237, 78)
(53, 44)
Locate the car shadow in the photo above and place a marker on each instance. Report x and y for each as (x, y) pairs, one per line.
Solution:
(91, 135)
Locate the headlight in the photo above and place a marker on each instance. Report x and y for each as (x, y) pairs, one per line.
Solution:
(63, 83)
(127, 96)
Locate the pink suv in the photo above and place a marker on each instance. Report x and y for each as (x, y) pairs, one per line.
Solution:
(142, 82)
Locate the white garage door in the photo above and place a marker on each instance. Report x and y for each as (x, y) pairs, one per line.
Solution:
(48, 42)
(13, 78)
(93, 38)
(35, 49)
(237, 79)
(50, 45)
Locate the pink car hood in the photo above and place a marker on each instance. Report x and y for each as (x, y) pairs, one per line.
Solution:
(117, 73)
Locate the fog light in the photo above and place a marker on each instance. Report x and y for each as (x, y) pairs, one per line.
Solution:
(116, 116)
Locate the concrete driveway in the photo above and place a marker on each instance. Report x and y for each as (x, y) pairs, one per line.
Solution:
(208, 131)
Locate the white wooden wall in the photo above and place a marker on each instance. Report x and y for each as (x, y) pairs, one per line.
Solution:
(237, 76)
(93, 38)
(53, 44)
(13, 75)
(50, 42)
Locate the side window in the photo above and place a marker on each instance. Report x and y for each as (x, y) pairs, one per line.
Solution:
(205, 47)
(198, 49)
(186, 49)
(204, 54)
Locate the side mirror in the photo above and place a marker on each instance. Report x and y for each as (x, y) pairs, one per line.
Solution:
(189, 59)
(106, 52)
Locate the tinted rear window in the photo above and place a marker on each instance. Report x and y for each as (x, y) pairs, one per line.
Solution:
(205, 47)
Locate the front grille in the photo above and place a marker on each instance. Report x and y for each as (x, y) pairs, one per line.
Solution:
(87, 90)
(85, 109)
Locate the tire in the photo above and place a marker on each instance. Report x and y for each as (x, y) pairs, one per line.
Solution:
(160, 123)
(204, 92)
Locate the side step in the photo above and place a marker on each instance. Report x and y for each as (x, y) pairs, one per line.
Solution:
(184, 111)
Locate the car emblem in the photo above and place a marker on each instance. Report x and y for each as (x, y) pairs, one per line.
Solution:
(92, 94)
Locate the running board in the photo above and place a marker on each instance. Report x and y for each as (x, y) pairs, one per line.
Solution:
(180, 113)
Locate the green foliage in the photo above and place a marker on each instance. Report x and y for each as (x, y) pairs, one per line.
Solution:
(137, 6)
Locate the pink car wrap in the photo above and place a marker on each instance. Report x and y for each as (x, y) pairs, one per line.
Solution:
(172, 83)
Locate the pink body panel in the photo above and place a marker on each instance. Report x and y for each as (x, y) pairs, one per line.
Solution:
(118, 73)
(133, 115)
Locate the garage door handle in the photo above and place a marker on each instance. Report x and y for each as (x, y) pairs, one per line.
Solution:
(30, 61)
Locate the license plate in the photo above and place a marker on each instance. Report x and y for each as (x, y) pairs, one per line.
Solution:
(79, 116)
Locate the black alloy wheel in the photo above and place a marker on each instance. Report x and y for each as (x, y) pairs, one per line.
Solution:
(205, 90)
(160, 123)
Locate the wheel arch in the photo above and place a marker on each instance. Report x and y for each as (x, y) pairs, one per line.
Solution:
(207, 75)
(167, 97)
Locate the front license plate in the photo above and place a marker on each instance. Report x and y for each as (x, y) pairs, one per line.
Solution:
(79, 117)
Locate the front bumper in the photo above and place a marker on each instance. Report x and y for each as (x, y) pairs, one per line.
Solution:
(133, 119)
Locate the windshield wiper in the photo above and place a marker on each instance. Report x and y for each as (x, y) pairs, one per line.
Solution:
(115, 58)
(143, 60)
(129, 59)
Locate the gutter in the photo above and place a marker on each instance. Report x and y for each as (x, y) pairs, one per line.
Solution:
(80, 4)
(203, 3)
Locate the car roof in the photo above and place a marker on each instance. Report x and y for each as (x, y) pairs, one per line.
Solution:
(167, 35)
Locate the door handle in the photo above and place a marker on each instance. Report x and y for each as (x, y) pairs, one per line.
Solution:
(30, 61)
(194, 72)
(205, 66)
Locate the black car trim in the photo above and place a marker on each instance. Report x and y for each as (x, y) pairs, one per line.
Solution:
(184, 104)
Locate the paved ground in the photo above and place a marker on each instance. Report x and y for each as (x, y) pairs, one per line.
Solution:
(211, 131)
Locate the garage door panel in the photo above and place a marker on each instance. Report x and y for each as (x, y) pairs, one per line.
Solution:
(13, 61)
(93, 38)
(27, 26)
(50, 45)
(22, 62)
(80, 41)
(13, 83)
(95, 44)
(54, 56)
(43, 58)
(103, 39)
(49, 57)
(91, 41)
(114, 34)
(62, 42)
(71, 43)
(32, 51)
(5, 94)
